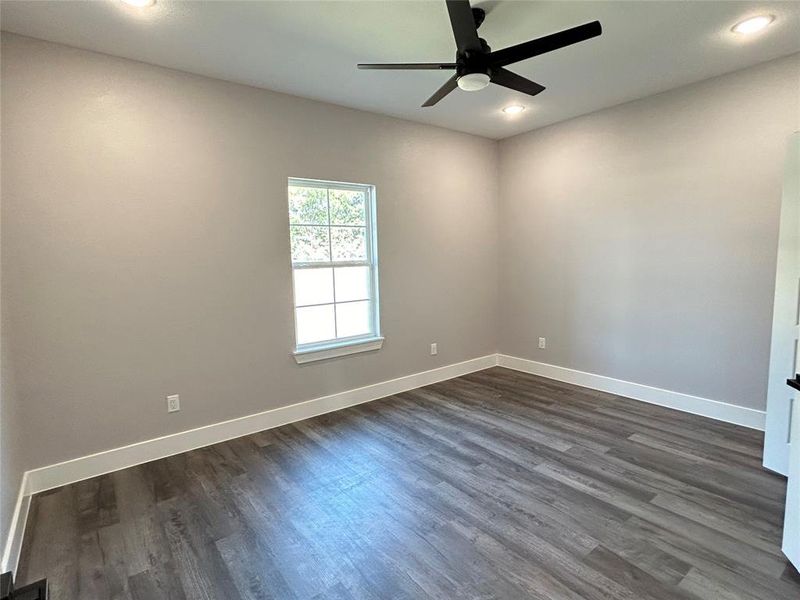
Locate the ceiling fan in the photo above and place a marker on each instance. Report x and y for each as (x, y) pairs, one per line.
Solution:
(476, 65)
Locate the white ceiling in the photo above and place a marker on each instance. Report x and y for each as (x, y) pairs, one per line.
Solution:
(311, 48)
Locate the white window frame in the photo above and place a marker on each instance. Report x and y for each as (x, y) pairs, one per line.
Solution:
(304, 353)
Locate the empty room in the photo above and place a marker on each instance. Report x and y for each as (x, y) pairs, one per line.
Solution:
(402, 299)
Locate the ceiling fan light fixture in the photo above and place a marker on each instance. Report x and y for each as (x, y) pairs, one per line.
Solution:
(472, 82)
(753, 24)
(514, 109)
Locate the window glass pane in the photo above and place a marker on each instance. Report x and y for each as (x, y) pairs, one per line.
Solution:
(308, 206)
(310, 244)
(352, 318)
(313, 286)
(349, 243)
(328, 224)
(348, 207)
(315, 324)
(352, 283)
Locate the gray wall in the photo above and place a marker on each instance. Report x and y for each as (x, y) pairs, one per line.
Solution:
(641, 240)
(146, 252)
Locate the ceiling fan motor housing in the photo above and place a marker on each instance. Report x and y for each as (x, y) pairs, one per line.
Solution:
(474, 62)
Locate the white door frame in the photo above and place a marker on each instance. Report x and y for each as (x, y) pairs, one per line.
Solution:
(782, 409)
(791, 517)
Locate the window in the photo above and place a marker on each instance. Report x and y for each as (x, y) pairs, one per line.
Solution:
(334, 268)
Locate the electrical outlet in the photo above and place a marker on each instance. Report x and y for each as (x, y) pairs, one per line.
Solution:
(434, 349)
(173, 403)
(542, 343)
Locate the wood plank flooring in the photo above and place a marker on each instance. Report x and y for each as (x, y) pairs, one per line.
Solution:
(493, 485)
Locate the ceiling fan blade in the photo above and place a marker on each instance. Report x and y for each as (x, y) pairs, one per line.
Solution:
(409, 66)
(548, 43)
(516, 82)
(463, 24)
(448, 87)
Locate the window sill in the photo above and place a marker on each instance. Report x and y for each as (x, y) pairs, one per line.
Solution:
(336, 350)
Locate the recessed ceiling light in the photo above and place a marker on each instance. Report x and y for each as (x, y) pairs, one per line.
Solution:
(753, 24)
(514, 109)
(139, 3)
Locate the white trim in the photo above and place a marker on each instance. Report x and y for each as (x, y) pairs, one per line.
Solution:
(45, 478)
(334, 350)
(721, 411)
(16, 530)
(71, 471)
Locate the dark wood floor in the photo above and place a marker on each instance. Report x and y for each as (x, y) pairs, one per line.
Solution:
(494, 485)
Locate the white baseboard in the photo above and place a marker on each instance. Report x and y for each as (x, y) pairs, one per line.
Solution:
(70, 471)
(17, 528)
(721, 411)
